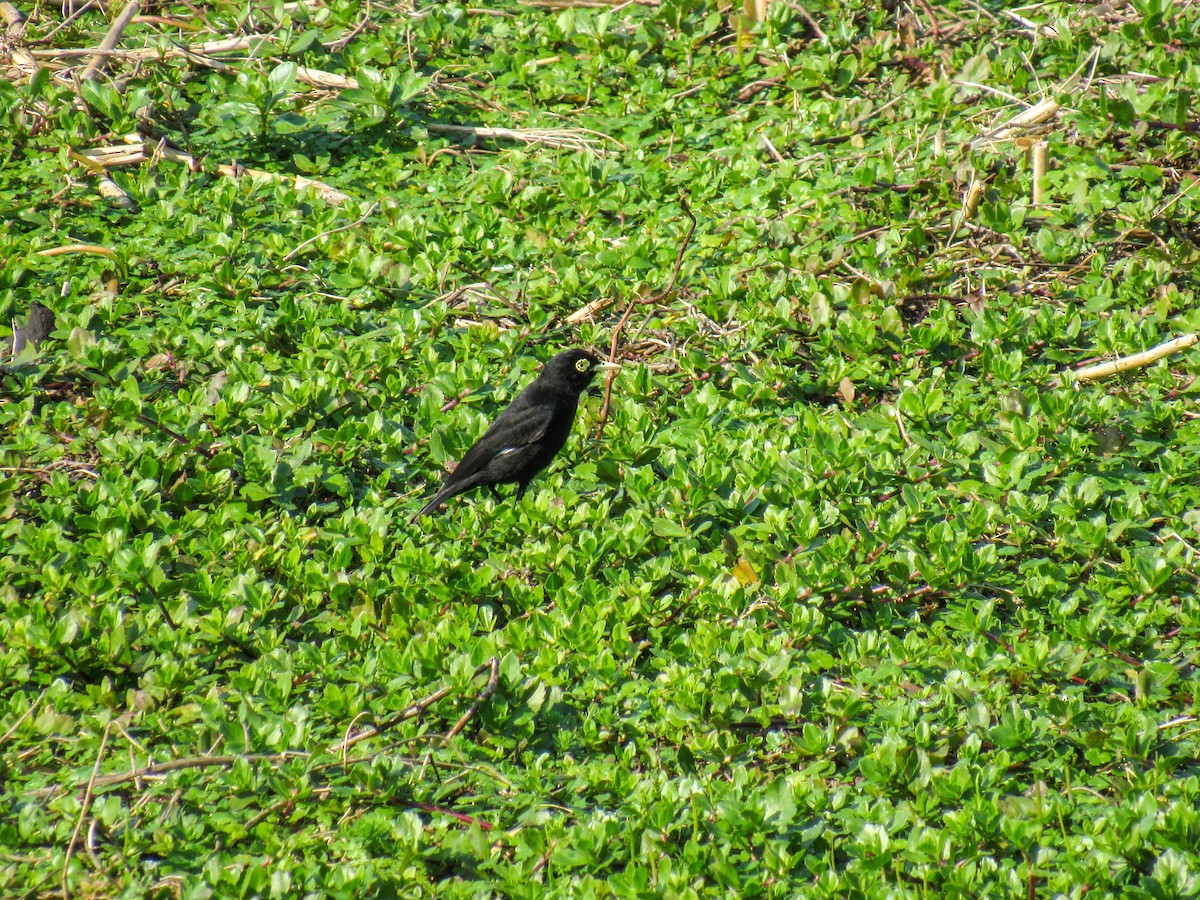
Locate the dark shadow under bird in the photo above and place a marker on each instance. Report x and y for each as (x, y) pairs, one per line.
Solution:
(35, 330)
(528, 433)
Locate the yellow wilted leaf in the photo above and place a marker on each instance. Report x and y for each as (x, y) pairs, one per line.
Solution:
(744, 573)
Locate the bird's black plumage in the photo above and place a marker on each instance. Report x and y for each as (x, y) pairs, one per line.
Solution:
(528, 433)
(35, 330)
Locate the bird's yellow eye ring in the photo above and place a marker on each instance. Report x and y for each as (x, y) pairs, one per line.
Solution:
(583, 365)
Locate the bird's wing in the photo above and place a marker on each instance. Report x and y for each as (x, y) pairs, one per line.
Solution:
(514, 429)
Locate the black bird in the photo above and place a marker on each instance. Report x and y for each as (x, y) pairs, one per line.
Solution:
(36, 329)
(530, 431)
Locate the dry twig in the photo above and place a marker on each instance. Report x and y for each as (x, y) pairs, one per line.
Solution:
(28, 713)
(484, 696)
(75, 14)
(77, 248)
(138, 151)
(100, 59)
(1136, 361)
(585, 4)
(570, 138)
(197, 53)
(653, 298)
(416, 709)
(171, 765)
(409, 712)
(316, 237)
(330, 81)
(588, 310)
(13, 18)
(1041, 112)
(88, 794)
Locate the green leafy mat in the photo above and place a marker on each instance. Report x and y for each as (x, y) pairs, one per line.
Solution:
(864, 592)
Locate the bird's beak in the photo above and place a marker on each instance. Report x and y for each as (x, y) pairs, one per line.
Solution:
(609, 367)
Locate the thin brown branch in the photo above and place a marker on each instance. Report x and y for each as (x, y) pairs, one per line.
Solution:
(483, 824)
(197, 446)
(484, 696)
(75, 14)
(316, 237)
(807, 17)
(344, 41)
(653, 298)
(172, 765)
(1124, 657)
(408, 712)
(541, 863)
(266, 813)
(416, 709)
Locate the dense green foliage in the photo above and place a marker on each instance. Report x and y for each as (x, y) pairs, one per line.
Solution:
(859, 595)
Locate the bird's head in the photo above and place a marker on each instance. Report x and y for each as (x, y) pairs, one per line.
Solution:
(575, 369)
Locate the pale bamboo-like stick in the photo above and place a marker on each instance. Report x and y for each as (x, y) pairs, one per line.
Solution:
(100, 60)
(110, 190)
(13, 18)
(330, 195)
(326, 80)
(1039, 155)
(1136, 361)
(586, 312)
(225, 45)
(77, 248)
(1040, 112)
(136, 151)
(570, 138)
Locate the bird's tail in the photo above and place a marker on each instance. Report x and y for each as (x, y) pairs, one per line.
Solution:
(444, 493)
(430, 506)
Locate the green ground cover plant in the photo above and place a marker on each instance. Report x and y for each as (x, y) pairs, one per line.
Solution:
(863, 592)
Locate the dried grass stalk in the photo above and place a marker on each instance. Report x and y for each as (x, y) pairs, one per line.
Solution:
(163, 151)
(209, 48)
(100, 158)
(570, 138)
(136, 151)
(585, 4)
(94, 249)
